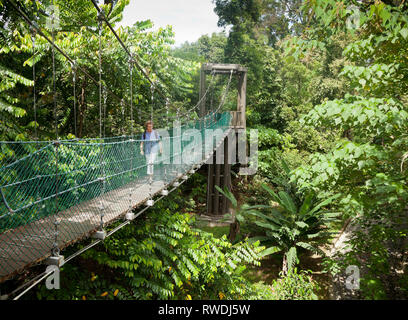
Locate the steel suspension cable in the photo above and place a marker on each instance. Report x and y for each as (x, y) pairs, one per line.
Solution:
(34, 88)
(55, 250)
(101, 146)
(100, 73)
(188, 112)
(150, 160)
(84, 71)
(225, 93)
(73, 67)
(62, 52)
(33, 35)
(131, 131)
(105, 98)
(138, 66)
(131, 98)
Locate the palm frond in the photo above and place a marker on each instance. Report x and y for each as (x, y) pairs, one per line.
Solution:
(291, 257)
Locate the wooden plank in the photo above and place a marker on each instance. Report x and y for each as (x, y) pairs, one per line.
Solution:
(32, 243)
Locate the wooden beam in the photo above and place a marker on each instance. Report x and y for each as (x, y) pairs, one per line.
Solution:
(226, 176)
(216, 67)
(202, 92)
(241, 104)
(210, 188)
(216, 210)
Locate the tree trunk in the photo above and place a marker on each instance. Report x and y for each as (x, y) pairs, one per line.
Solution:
(285, 265)
(234, 230)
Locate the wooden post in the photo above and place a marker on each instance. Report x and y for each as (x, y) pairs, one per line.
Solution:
(226, 176)
(216, 192)
(202, 91)
(241, 105)
(210, 187)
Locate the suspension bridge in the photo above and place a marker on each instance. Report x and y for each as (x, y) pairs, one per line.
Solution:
(56, 193)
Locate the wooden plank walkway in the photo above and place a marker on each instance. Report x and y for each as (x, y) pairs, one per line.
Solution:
(30, 244)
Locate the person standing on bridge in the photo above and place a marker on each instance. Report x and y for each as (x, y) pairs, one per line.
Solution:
(150, 146)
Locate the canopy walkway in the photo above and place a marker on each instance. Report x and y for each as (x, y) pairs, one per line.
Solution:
(56, 193)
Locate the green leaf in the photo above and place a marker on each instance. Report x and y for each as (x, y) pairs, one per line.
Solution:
(228, 195)
(287, 202)
(15, 111)
(269, 251)
(324, 203)
(272, 193)
(266, 225)
(259, 238)
(309, 247)
(306, 204)
(385, 14)
(301, 224)
(265, 217)
(291, 257)
(404, 33)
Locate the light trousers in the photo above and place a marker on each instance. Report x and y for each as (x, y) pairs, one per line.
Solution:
(150, 159)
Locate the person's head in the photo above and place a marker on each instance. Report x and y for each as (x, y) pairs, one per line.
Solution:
(149, 126)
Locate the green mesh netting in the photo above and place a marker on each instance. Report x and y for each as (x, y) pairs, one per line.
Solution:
(81, 183)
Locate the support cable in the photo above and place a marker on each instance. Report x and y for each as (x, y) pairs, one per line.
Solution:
(85, 72)
(55, 251)
(150, 162)
(105, 98)
(138, 66)
(101, 149)
(100, 73)
(62, 52)
(74, 77)
(33, 35)
(225, 94)
(169, 141)
(130, 213)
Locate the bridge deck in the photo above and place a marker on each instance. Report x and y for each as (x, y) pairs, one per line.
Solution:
(30, 244)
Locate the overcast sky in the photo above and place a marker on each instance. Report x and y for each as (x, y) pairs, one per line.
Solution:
(190, 18)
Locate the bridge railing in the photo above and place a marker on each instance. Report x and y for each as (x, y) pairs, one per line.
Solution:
(73, 179)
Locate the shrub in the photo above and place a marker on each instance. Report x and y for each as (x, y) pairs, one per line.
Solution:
(294, 286)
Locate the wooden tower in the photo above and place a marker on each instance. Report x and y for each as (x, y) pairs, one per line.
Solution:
(219, 174)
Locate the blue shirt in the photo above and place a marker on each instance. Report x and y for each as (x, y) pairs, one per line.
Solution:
(150, 142)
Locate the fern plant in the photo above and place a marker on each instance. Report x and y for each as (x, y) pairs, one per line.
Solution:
(239, 212)
(163, 257)
(289, 226)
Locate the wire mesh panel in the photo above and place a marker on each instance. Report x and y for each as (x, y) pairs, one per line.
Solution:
(82, 185)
